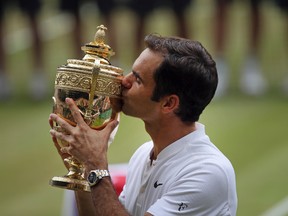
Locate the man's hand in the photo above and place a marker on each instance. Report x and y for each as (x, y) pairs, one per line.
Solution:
(89, 147)
(85, 144)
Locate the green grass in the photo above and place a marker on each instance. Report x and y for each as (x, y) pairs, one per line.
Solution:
(252, 134)
(250, 131)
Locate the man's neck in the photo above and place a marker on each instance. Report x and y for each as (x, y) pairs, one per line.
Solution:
(163, 135)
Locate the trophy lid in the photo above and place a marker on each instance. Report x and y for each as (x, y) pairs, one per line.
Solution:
(94, 74)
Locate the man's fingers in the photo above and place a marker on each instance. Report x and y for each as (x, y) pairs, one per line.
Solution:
(75, 111)
(60, 136)
(61, 122)
(50, 122)
(111, 126)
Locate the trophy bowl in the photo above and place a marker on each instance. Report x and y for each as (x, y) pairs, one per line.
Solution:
(91, 82)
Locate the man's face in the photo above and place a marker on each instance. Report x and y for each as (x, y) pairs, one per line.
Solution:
(138, 86)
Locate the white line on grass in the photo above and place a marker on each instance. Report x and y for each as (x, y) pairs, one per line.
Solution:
(280, 209)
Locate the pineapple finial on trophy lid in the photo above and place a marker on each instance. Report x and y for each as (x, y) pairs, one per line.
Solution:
(99, 37)
(98, 48)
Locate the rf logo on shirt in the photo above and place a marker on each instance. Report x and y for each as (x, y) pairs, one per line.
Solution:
(182, 206)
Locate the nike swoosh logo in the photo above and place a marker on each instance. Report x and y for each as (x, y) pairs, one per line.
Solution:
(157, 185)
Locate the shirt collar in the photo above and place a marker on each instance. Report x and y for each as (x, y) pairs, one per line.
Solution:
(179, 144)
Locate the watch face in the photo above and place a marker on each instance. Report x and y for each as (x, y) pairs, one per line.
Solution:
(92, 177)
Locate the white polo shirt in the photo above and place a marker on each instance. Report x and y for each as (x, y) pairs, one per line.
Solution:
(189, 177)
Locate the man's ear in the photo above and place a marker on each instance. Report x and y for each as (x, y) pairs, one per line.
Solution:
(170, 103)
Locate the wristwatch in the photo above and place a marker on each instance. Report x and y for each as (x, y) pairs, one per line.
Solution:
(96, 175)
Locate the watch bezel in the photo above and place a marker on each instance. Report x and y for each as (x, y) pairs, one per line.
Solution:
(92, 178)
(97, 175)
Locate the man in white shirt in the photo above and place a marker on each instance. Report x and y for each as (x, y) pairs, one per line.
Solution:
(189, 177)
(179, 172)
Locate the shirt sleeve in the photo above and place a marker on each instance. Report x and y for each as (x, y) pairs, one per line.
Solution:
(122, 196)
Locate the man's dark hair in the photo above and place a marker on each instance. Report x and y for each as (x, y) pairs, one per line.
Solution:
(187, 71)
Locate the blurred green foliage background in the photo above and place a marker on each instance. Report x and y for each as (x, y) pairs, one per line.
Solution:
(251, 131)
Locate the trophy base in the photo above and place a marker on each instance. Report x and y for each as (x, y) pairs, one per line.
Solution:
(71, 184)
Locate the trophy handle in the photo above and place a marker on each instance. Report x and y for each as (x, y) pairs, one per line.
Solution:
(95, 72)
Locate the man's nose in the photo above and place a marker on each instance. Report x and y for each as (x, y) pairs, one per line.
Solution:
(126, 81)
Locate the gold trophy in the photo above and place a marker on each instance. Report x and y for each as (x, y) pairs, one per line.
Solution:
(91, 82)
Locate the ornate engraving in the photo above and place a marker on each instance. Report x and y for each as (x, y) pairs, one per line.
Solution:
(105, 85)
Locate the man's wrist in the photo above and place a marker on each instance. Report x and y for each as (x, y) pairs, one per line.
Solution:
(95, 165)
